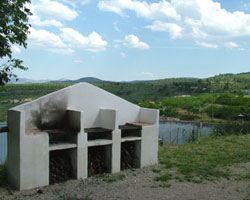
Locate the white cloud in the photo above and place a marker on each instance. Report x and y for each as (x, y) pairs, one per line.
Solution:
(132, 41)
(48, 41)
(74, 2)
(160, 10)
(174, 29)
(65, 43)
(231, 45)
(199, 20)
(53, 10)
(93, 42)
(35, 20)
(15, 49)
(207, 45)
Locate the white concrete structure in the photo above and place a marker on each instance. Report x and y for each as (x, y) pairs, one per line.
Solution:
(82, 107)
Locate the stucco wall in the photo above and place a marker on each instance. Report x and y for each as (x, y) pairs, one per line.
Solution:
(83, 97)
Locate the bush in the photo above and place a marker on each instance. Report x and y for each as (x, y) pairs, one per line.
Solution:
(232, 127)
(188, 117)
(169, 111)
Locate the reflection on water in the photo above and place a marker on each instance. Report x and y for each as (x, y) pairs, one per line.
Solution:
(3, 145)
(179, 132)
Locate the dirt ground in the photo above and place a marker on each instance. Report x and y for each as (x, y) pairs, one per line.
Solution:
(137, 184)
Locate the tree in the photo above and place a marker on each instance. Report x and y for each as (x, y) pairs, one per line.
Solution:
(14, 29)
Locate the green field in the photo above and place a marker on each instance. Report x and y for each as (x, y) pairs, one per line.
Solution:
(206, 159)
(204, 107)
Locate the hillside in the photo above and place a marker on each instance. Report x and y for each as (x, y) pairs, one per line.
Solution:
(85, 79)
(135, 92)
(157, 89)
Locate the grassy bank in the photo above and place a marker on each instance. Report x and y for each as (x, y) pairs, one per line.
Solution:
(205, 159)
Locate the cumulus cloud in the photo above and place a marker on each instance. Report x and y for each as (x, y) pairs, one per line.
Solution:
(200, 20)
(35, 20)
(207, 45)
(173, 29)
(50, 13)
(53, 10)
(74, 2)
(15, 49)
(65, 43)
(48, 41)
(162, 9)
(132, 41)
(93, 42)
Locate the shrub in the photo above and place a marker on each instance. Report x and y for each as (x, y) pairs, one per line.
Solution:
(232, 127)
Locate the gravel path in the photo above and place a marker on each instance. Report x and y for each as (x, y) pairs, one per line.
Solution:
(137, 184)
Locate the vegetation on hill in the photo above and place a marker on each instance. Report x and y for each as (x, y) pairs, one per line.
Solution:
(203, 105)
(85, 79)
(158, 89)
(11, 95)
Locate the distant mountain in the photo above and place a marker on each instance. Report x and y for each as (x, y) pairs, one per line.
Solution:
(63, 80)
(26, 81)
(241, 77)
(135, 81)
(85, 79)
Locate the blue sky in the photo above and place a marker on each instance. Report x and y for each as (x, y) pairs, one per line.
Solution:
(136, 40)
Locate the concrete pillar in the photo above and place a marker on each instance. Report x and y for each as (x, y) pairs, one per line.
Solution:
(13, 157)
(82, 155)
(116, 151)
(149, 145)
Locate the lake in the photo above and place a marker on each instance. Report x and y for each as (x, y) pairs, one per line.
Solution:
(3, 145)
(179, 132)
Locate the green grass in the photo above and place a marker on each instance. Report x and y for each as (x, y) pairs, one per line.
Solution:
(205, 159)
(245, 176)
(164, 178)
(113, 178)
(156, 170)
